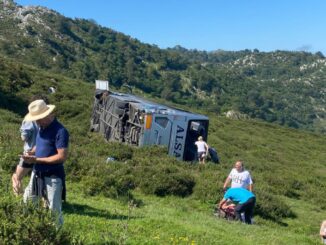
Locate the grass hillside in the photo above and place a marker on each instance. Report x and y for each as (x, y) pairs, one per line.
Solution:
(147, 197)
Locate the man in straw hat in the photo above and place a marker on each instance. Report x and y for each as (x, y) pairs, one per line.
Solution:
(48, 156)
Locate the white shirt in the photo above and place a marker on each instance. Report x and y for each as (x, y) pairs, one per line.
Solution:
(200, 146)
(240, 180)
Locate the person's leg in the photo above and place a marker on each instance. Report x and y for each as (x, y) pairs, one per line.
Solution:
(248, 210)
(238, 210)
(247, 215)
(54, 196)
(200, 158)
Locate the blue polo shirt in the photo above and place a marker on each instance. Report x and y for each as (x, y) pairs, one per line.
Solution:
(48, 140)
(239, 195)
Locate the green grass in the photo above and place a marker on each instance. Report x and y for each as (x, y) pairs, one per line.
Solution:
(174, 220)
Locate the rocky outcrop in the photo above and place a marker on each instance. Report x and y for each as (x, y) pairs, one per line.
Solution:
(236, 115)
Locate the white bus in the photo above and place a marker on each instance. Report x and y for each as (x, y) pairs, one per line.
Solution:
(136, 121)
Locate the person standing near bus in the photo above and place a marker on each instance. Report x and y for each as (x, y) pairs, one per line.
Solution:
(202, 149)
(48, 156)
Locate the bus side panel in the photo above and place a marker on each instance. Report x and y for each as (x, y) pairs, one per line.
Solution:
(178, 138)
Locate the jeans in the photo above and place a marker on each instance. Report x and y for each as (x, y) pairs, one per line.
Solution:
(247, 208)
(53, 192)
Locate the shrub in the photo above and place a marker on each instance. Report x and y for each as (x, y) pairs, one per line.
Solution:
(27, 224)
(207, 186)
(164, 180)
(151, 153)
(120, 152)
(8, 160)
(272, 208)
(110, 181)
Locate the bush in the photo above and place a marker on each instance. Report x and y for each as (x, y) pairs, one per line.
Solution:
(152, 153)
(208, 187)
(110, 181)
(120, 152)
(164, 180)
(27, 224)
(272, 208)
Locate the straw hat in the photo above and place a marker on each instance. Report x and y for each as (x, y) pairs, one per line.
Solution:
(37, 110)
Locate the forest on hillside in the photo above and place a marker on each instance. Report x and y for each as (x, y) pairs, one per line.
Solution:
(283, 87)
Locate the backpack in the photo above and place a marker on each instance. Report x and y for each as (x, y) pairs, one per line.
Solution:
(213, 155)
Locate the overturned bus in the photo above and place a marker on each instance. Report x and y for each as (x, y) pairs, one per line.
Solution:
(136, 121)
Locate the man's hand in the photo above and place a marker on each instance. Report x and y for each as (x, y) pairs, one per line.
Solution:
(30, 153)
(29, 159)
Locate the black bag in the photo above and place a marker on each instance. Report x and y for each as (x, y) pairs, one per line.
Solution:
(213, 154)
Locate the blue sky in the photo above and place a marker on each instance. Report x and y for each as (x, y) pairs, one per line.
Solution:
(232, 25)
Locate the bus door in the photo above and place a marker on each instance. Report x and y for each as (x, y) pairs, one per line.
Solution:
(195, 129)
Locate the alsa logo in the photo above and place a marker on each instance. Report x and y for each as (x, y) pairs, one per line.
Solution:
(179, 139)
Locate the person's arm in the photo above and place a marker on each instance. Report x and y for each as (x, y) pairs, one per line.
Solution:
(31, 152)
(222, 203)
(60, 157)
(207, 147)
(227, 182)
(26, 130)
(20, 173)
(322, 231)
(250, 185)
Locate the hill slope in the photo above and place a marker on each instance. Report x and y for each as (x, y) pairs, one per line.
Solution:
(118, 203)
(287, 88)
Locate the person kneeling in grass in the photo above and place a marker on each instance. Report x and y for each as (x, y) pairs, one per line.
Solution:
(245, 200)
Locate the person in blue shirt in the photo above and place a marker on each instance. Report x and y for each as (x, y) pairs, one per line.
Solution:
(245, 201)
(48, 156)
(28, 132)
